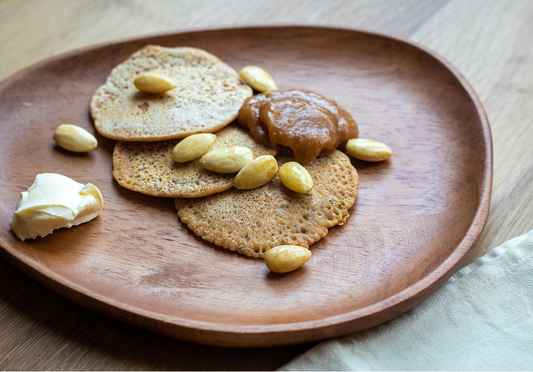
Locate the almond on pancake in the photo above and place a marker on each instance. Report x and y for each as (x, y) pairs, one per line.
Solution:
(208, 96)
(148, 168)
(253, 221)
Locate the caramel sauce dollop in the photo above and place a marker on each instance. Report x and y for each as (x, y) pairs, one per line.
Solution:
(306, 122)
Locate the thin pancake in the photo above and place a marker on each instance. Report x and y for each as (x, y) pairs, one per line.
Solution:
(148, 168)
(253, 221)
(208, 96)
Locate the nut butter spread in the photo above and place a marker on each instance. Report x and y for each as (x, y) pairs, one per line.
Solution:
(306, 122)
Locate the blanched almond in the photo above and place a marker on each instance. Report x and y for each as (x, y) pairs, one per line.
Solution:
(286, 258)
(256, 174)
(257, 78)
(368, 150)
(74, 138)
(154, 82)
(193, 147)
(295, 177)
(227, 159)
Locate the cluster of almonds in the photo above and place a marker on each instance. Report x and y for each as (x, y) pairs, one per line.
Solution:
(251, 173)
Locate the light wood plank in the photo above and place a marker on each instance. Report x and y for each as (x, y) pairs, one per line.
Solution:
(489, 42)
(510, 216)
(33, 30)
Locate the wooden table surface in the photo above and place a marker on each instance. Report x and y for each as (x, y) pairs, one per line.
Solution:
(489, 41)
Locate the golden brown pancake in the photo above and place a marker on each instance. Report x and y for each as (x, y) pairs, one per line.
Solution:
(208, 97)
(148, 168)
(253, 221)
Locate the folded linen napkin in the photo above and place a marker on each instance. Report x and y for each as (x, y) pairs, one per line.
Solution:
(481, 319)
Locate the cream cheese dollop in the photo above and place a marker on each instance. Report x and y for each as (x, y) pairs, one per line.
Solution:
(52, 202)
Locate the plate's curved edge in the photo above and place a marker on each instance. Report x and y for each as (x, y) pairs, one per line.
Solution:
(224, 334)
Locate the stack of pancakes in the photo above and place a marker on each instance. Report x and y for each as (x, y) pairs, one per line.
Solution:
(207, 100)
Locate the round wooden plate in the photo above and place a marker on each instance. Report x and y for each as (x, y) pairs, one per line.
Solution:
(416, 217)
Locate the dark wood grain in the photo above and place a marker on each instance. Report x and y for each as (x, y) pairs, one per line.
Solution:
(416, 217)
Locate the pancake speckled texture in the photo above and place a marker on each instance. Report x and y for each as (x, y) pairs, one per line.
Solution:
(253, 221)
(209, 96)
(148, 168)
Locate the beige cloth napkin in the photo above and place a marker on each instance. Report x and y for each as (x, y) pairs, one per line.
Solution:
(481, 319)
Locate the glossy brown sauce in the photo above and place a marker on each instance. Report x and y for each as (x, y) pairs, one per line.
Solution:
(306, 122)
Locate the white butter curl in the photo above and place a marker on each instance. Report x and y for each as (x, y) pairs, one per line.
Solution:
(52, 202)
